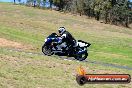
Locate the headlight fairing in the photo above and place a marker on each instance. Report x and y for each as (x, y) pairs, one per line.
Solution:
(45, 40)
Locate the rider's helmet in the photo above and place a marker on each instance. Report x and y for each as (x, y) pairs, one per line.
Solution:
(61, 30)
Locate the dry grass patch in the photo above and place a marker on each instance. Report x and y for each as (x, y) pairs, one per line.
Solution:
(13, 44)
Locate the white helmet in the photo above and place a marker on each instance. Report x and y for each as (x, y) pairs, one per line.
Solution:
(61, 30)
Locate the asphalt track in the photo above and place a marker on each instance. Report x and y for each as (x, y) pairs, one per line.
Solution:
(70, 59)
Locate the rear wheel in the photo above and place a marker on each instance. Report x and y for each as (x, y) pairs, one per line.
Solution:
(47, 50)
(81, 57)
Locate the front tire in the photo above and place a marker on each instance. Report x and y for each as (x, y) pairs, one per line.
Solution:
(47, 50)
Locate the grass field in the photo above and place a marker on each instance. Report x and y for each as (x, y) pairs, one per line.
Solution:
(25, 28)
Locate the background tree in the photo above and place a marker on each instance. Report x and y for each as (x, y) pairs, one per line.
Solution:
(120, 13)
(67, 6)
(19, 1)
(30, 3)
(51, 3)
(14, 1)
(88, 7)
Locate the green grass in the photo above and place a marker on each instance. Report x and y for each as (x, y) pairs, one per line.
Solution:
(21, 35)
(29, 26)
(23, 70)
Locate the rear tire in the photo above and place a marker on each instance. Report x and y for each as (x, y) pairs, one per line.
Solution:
(47, 50)
(81, 57)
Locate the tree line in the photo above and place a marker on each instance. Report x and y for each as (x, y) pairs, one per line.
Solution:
(117, 12)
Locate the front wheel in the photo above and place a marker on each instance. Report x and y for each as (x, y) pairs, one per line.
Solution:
(47, 50)
(81, 57)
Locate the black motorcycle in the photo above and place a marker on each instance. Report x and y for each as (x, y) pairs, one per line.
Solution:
(52, 46)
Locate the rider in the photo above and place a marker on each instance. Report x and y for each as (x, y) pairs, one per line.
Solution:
(66, 37)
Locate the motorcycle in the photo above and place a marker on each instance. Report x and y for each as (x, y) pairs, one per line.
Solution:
(52, 46)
